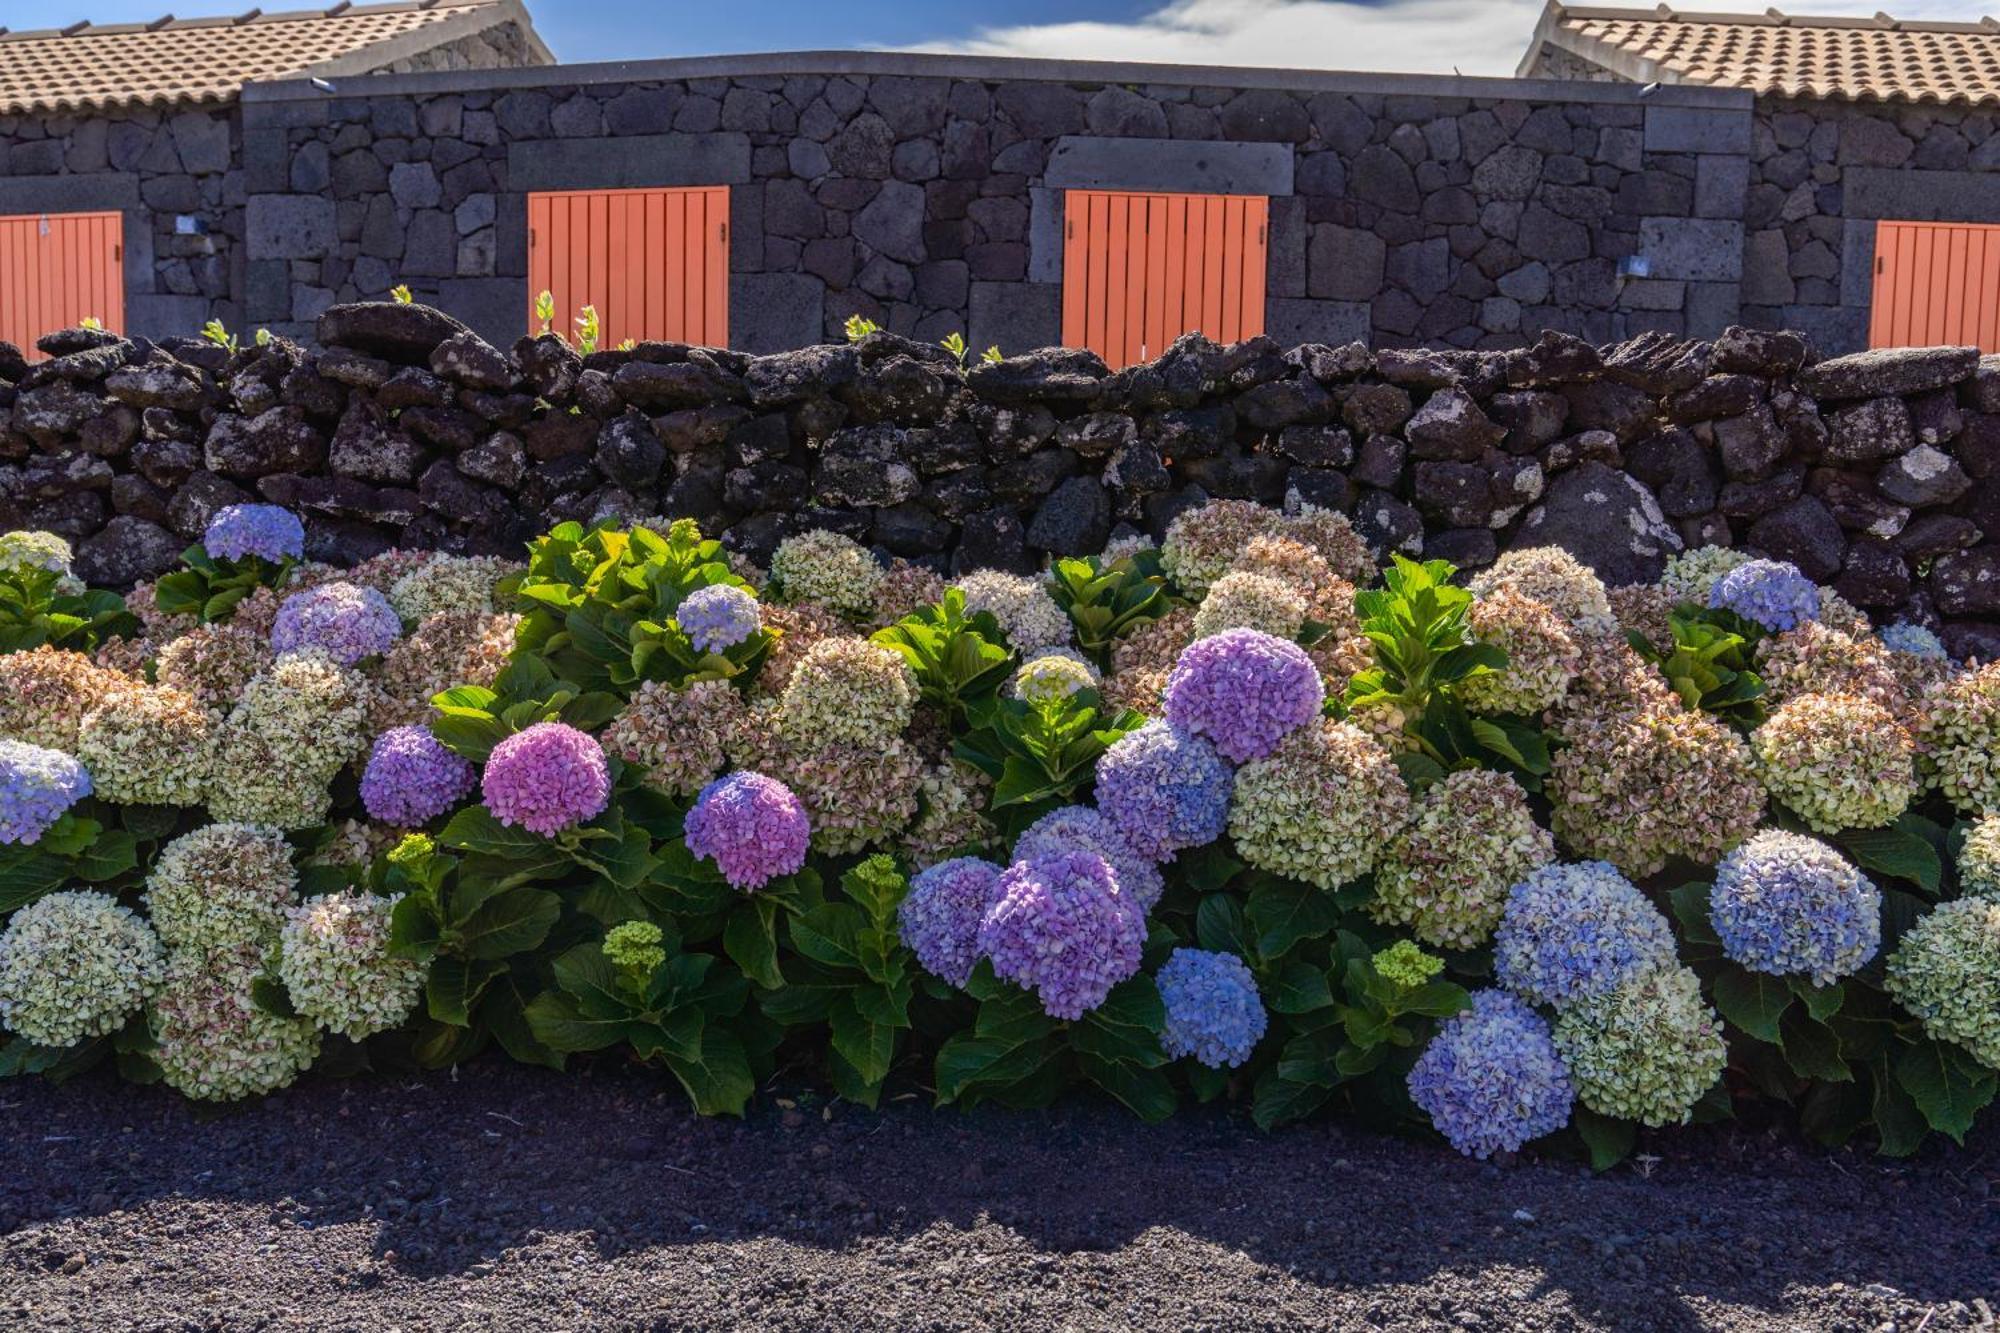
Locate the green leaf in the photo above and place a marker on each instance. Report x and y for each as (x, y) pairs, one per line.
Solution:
(828, 934)
(454, 987)
(1219, 927)
(1899, 1121)
(1898, 853)
(1299, 988)
(1147, 1093)
(1278, 1101)
(868, 1046)
(1812, 1049)
(1125, 1028)
(27, 875)
(1282, 912)
(506, 923)
(718, 1078)
(1947, 1084)
(1609, 1141)
(474, 829)
(750, 938)
(1822, 1002)
(113, 852)
(1752, 1001)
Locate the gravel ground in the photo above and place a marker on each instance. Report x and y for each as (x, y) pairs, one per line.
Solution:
(520, 1199)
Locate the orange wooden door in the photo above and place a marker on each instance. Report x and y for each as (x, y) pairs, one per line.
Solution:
(58, 269)
(1140, 269)
(1936, 284)
(655, 263)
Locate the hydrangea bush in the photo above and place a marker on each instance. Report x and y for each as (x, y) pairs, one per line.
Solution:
(1239, 817)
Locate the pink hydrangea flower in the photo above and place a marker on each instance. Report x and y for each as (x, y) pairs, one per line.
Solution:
(546, 779)
(751, 826)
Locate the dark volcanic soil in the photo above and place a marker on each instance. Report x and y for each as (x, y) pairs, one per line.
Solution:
(507, 1198)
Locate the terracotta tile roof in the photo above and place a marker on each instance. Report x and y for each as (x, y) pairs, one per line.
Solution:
(1776, 54)
(169, 61)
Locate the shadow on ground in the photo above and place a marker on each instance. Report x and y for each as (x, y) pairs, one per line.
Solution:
(398, 1186)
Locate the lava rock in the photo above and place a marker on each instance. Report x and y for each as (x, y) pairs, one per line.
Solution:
(1606, 519)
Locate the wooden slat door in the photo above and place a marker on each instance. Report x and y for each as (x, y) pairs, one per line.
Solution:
(58, 269)
(1140, 269)
(1936, 284)
(655, 263)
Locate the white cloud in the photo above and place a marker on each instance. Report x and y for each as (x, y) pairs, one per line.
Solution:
(1426, 36)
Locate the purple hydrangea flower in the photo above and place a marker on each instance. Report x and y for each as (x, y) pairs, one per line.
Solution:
(546, 779)
(751, 826)
(1787, 904)
(1059, 927)
(1492, 1079)
(1164, 789)
(1574, 931)
(1078, 828)
(1213, 1010)
(37, 785)
(346, 621)
(265, 531)
(719, 617)
(412, 778)
(1245, 690)
(940, 915)
(1773, 593)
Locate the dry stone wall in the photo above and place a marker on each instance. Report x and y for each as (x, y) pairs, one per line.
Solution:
(1877, 472)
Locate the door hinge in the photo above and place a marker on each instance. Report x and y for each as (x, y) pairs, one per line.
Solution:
(534, 238)
(722, 231)
(1069, 231)
(1879, 263)
(118, 254)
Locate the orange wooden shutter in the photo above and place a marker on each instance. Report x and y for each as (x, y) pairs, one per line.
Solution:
(1140, 269)
(58, 269)
(1936, 284)
(655, 263)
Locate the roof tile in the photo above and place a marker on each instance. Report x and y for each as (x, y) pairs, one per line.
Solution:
(1786, 55)
(173, 61)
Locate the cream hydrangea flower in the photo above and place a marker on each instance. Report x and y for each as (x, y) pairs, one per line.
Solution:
(827, 568)
(1558, 580)
(75, 965)
(1838, 760)
(1647, 1050)
(1320, 807)
(1542, 655)
(149, 745)
(1243, 600)
(335, 962)
(1446, 875)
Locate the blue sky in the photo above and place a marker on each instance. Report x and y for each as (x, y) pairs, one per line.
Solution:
(1471, 36)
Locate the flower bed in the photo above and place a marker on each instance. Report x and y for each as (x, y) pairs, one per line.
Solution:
(1517, 858)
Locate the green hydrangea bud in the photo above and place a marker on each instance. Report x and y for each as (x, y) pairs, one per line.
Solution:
(1407, 965)
(635, 946)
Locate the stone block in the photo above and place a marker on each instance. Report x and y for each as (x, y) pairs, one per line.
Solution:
(494, 308)
(630, 162)
(1103, 163)
(1697, 249)
(1920, 196)
(1015, 316)
(1721, 185)
(1690, 129)
(775, 312)
(1711, 308)
(154, 316)
(283, 226)
(1292, 321)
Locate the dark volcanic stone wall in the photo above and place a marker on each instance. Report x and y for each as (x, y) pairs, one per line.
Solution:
(926, 192)
(1878, 472)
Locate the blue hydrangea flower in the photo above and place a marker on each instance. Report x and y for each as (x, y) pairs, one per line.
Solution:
(265, 531)
(1060, 927)
(411, 778)
(346, 621)
(1492, 1079)
(1773, 593)
(1243, 689)
(1078, 828)
(1790, 905)
(1903, 637)
(1164, 789)
(36, 786)
(1572, 931)
(719, 617)
(940, 916)
(1213, 1010)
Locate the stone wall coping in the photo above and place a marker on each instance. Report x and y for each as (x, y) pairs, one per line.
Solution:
(923, 64)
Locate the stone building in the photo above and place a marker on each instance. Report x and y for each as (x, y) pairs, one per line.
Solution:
(1861, 127)
(1629, 183)
(141, 125)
